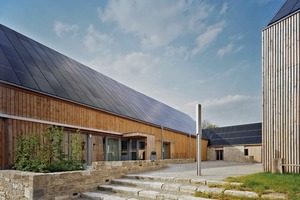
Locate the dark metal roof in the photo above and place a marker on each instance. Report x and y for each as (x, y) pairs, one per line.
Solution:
(205, 134)
(31, 65)
(289, 7)
(235, 135)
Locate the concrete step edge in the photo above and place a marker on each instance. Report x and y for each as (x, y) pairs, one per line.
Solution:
(193, 181)
(102, 196)
(167, 189)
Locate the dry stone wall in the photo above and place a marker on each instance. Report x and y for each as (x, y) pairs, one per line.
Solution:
(17, 185)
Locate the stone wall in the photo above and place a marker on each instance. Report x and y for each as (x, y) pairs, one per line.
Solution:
(236, 153)
(211, 153)
(66, 185)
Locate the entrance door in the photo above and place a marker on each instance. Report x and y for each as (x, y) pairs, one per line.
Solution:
(124, 149)
(112, 149)
(133, 149)
(97, 148)
(219, 154)
(166, 151)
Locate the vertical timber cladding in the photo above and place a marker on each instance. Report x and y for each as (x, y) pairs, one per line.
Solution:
(281, 86)
(2, 145)
(18, 102)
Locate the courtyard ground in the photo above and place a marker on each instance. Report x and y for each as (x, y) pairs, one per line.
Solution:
(210, 170)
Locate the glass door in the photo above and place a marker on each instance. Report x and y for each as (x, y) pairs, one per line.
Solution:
(113, 150)
(124, 150)
(133, 149)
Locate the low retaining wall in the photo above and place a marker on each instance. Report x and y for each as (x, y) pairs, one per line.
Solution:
(66, 185)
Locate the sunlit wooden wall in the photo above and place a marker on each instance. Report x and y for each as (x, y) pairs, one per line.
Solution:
(281, 89)
(23, 103)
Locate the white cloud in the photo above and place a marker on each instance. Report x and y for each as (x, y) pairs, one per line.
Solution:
(226, 100)
(136, 64)
(236, 37)
(61, 28)
(224, 8)
(229, 49)
(204, 40)
(225, 50)
(96, 41)
(172, 51)
(156, 24)
(228, 110)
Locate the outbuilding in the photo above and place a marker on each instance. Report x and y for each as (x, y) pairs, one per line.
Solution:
(240, 143)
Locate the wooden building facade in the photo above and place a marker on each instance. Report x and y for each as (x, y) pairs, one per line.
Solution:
(41, 87)
(281, 88)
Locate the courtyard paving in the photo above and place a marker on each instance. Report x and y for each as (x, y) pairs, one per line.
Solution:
(210, 170)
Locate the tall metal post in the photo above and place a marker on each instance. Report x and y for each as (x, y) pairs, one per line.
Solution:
(199, 136)
(162, 142)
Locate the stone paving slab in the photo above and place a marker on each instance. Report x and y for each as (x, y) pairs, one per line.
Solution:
(171, 187)
(186, 197)
(121, 189)
(100, 196)
(208, 190)
(241, 193)
(131, 182)
(148, 194)
(156, 185)
(188, 189)
(275, 196)
(163, 196)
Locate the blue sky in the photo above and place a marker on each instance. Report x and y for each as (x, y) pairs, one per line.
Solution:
(178, 52)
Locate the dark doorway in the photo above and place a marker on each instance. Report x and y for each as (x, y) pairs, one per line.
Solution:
(219, 154)
(166, 150)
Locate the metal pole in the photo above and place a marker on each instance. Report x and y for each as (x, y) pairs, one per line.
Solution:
(162, 142)
(199, 136)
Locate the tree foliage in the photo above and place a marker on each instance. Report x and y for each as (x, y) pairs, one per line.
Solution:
(45, 152)
(205, 124)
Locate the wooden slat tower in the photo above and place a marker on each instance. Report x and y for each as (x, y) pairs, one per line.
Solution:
(281, 88)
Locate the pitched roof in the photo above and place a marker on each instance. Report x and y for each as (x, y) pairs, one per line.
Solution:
(235, 135)
(289, 7)
(28, 64)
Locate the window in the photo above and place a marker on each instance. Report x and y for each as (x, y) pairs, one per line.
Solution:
(246, 152)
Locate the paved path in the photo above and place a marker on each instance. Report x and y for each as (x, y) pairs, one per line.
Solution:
(211, 170)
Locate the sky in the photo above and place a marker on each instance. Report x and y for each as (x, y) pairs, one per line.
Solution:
(178, 52)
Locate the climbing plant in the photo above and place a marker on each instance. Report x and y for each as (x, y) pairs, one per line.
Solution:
(45, 152)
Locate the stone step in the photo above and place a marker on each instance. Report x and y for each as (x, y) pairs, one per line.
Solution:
(138, 183)
(191, 181)
(140, 193)
(149, 187)
(161, 186)
(122, 190)
(103, 196)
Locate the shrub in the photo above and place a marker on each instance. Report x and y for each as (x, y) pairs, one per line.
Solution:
(45, 152)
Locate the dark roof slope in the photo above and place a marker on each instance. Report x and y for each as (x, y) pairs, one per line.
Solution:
(235, 135)
(31, 65)
(289, 7)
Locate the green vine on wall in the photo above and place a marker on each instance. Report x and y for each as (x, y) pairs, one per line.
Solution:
(45, 152)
